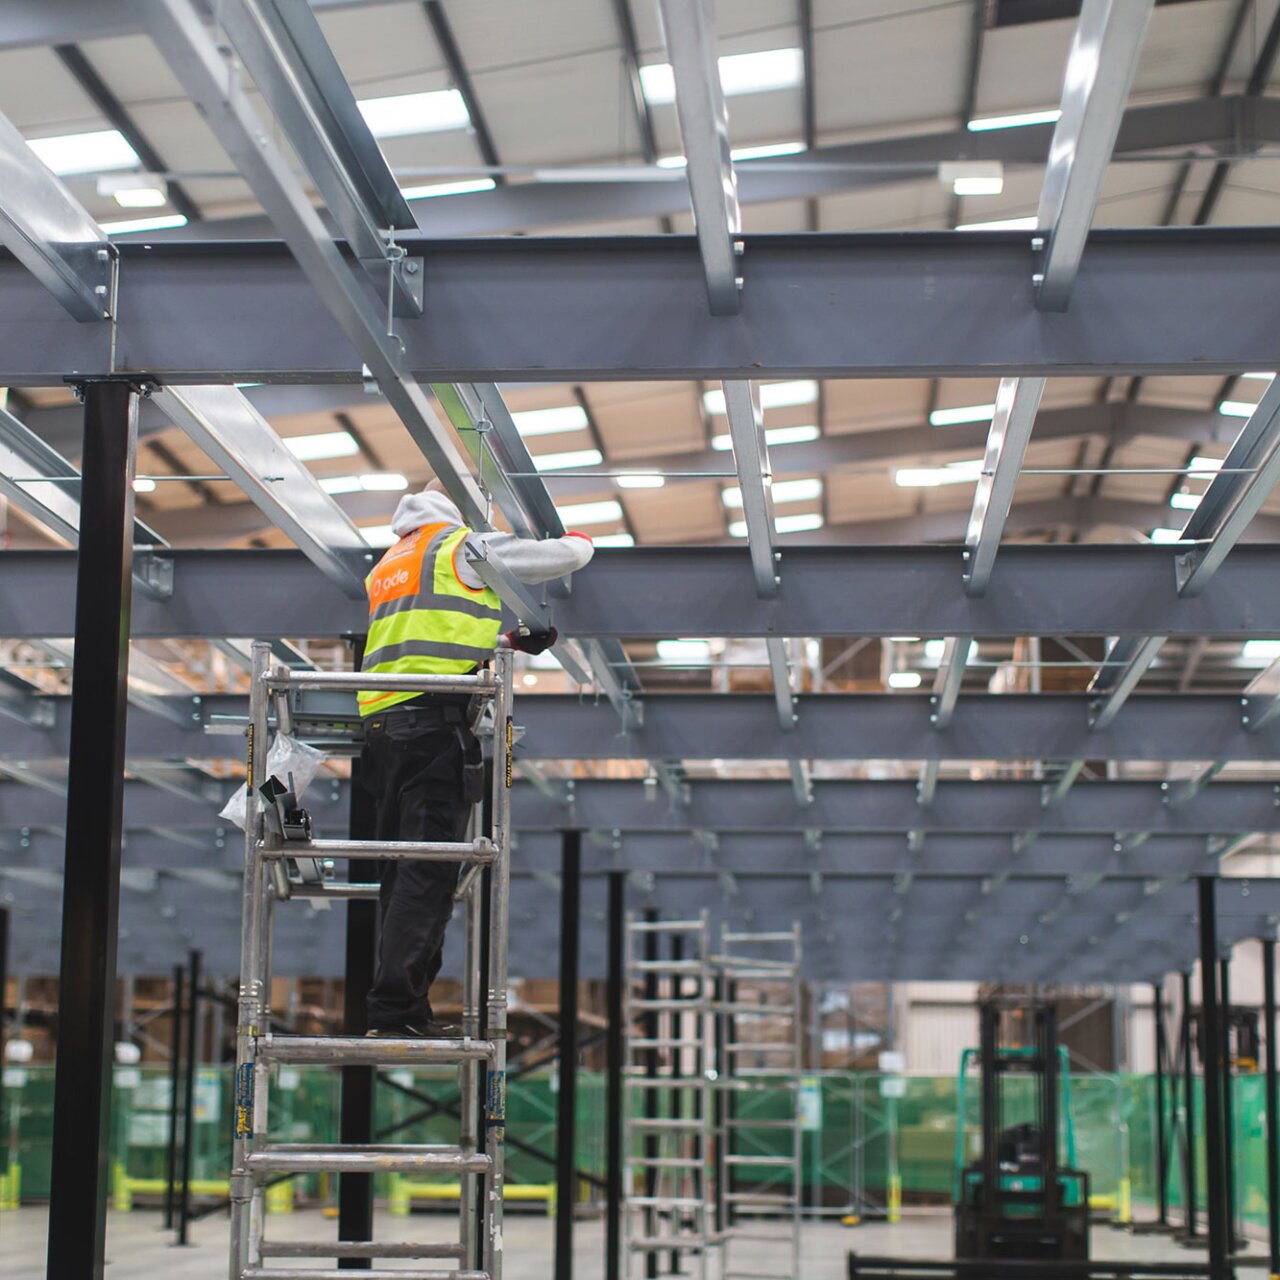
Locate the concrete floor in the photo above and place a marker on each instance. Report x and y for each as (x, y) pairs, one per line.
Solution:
(137, 1247)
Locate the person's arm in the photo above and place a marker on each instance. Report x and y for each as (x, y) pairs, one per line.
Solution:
(528, 560)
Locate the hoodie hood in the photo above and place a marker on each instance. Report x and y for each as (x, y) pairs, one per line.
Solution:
(416, 509)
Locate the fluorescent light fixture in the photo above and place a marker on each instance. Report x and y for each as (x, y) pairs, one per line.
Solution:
(75, 153)
(1166, 535)
(905, 639)
(962, 413)
(1260, 377)
(591, 513)
(1257, 653)
(144, 486)
(140, 198)
(782, 490)
(448, 189)
(905, 679)
(341, 484)
(325, 444)
(798, 524)
(406, 113)
(547, 422)
(1185, 501)
(384, 482)
(574, 458)
(1002, 224)
(639, 481)
(684, 650)
(379, 535)
(614, 540)
(773, 395)
(978, 186)
(162, 222)
(1203, 465)
(1020, 120)
(772, 436)
(767, 151)
(972, 177)
(932, 477)
(738, 153)
(763, 72)
(1236, 409)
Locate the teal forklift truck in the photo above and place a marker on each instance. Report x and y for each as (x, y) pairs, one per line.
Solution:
(1022, 1198)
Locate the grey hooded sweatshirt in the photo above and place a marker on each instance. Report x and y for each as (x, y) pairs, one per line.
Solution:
(528, 560)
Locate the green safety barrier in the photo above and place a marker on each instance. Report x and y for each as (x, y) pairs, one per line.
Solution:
(889, 1139)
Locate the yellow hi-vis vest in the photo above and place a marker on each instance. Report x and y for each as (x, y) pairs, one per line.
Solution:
(423, 619)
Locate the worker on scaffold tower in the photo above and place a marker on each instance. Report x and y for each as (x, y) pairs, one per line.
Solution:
(430, 613)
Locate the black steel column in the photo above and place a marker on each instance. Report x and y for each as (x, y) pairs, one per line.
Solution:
(355, 1122)
(650, 1022)
(95, 792)
(175, 1110)
(4, 983)
(1273, 1105)
(1228, 1108)
(1189, 1117)
(1162, 1149)
(613, 1077)
(567, 1098)
(1211, 1060)
(189, 1094)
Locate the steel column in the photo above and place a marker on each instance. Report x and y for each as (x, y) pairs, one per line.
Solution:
(355, 1190)
(1273, 1106)
(1162, 1150)
(567, 1098)
(95, 792)
(1228, 1106)
(1189, 1124)
(4, 982)
(1211, 1059)
(614, 1013)
(189, 1095)
(175, 1080)
(650, 1022)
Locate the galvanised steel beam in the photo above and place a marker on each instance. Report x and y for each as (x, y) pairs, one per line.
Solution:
(1017, 401)
(661, 592)
(1248, 477)
(1100, 69)
(213, 84)
(959, 807)
(690, 31)
(1170, 301)
(226, 426)
(44, 226)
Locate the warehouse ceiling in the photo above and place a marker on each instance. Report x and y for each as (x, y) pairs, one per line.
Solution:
(559, 119)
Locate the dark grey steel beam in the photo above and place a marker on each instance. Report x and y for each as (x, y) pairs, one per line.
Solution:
(862, 855)
(1174, 301)
(709, 591)
(1232, 126)
(702, 726)
(959, 807)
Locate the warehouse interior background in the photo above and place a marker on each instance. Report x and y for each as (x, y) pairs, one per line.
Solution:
(910, 364)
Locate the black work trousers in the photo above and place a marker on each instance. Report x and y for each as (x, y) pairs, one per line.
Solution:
(424, 769)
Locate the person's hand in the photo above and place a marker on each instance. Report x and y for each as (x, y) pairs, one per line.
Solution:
(532, 641)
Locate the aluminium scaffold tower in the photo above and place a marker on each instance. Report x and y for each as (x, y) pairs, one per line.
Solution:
(284, 863)
(667, 1116)
(758, 1148)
